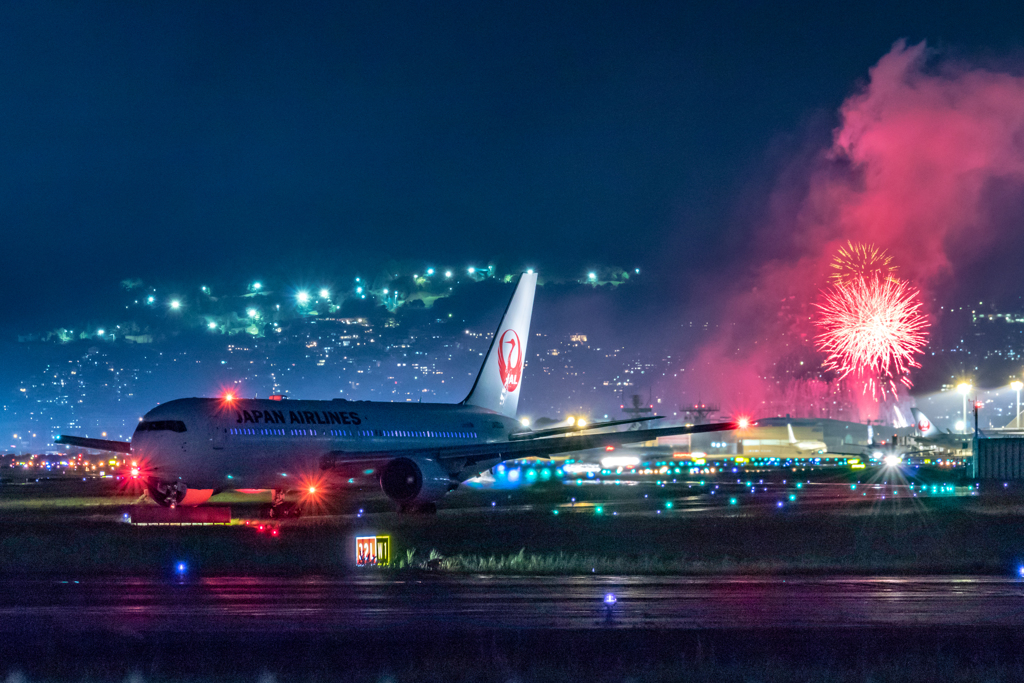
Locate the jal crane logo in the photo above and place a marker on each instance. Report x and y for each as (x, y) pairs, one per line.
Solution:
(924, 425)
(510, 360)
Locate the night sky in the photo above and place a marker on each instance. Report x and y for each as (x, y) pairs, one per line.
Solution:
(179, 141)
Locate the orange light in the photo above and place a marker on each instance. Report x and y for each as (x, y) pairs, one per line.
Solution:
(609, 448)
(312, 490)
(135, 472)
(229, 397)
(743, 422)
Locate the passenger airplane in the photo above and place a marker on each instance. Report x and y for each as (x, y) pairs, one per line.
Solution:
(189, 449)
(804, 447)
(929, 434)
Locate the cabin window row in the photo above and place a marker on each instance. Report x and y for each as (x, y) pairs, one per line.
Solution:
(393, 433)
(415, 434)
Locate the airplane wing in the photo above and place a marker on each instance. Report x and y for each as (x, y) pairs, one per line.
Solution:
(852, 454)
(540, 433)
(514, 450)
(95, 444)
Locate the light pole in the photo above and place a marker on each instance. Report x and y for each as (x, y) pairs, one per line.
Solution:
(964, 388)
(1017, 386)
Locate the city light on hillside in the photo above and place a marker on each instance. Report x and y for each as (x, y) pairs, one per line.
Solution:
(175, 304)
(324, 293)
(303, 297)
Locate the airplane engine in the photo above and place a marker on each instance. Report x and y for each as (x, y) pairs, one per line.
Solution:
(415, 483)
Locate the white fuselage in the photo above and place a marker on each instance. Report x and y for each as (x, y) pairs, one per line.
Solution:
(253, 443)
(810, 447)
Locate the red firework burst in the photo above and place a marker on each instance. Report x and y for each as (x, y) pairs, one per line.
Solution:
(872, 328)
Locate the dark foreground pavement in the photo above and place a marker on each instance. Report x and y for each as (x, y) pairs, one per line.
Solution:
(426, 628)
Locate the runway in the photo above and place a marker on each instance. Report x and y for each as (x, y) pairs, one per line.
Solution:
(321, 605)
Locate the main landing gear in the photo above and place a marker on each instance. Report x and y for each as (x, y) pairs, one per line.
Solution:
(279, 507)
(165, 494)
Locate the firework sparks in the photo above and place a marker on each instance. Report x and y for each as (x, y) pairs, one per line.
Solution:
(872, 327)
(860, 260)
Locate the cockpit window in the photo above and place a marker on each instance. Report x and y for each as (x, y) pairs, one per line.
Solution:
(161, 426)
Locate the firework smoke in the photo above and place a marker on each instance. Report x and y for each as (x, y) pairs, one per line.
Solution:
(926, 163)
(872, 328)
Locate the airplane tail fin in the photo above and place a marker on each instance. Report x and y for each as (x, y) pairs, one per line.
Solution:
(924, 425)
(792, 437)
(497, 386)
